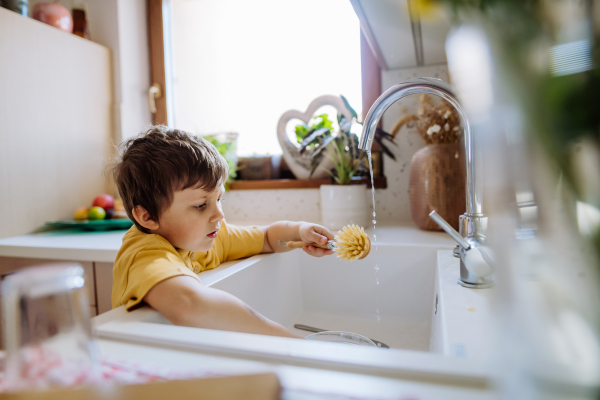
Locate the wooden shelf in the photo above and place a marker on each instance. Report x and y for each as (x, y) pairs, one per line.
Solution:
(380, 183)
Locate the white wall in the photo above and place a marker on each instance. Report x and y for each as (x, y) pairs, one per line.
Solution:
(121, 25)
(55, 123)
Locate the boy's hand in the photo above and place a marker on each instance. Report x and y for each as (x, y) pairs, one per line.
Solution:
(313, 233)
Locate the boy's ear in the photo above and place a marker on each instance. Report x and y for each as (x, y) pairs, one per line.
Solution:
(143, 218)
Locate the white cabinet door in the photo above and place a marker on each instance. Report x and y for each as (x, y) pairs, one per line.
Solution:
(104, 280)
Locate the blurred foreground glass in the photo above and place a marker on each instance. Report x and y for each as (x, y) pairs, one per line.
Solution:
(47, 330)
(525, 75)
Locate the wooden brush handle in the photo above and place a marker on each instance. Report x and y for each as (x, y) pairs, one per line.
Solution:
(299, 245)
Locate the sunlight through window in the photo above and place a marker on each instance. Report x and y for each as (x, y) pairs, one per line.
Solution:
(239, 65)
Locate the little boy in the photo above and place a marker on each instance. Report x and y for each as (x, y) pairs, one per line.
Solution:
(171, 184)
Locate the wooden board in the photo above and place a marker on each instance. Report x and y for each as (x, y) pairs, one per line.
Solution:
(157, 58)
(245, 387)
(380, 183)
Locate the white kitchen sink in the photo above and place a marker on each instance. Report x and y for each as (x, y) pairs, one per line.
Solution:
(388, 296)
(403, 294)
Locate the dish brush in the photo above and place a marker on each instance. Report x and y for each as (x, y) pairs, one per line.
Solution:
(351, 243)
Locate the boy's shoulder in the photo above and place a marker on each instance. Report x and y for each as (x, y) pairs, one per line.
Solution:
(136, 241)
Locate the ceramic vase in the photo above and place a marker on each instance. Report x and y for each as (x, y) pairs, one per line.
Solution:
(342, 205)
(437, 182)
(55, 15)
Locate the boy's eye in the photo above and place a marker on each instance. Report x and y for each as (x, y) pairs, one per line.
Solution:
(200, 207)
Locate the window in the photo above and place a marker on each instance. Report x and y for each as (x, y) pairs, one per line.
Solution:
(238, 65)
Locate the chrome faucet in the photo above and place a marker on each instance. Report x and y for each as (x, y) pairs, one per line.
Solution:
(475, 262)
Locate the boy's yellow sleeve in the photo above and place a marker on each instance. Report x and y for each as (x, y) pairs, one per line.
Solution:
(149, 268)
(242, 241)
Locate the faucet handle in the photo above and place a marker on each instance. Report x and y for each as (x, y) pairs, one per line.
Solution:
(450, 230)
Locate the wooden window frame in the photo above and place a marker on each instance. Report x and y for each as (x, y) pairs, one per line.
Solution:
(157, 59)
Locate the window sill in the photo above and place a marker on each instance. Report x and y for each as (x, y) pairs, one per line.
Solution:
(380, 183)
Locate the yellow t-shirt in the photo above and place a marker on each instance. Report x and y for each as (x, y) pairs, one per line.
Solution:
(145, 260)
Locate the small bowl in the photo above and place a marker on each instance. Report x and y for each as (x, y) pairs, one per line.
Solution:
(341, 337)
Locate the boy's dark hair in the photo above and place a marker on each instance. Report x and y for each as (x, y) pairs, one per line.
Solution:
(151, 167)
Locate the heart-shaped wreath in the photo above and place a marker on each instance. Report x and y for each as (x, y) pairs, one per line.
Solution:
(302, 163)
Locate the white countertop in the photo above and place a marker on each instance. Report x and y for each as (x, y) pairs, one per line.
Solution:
(76, 245)
(66, 244)
(298, 382)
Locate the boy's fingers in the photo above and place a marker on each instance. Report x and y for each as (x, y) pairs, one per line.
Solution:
(315, 237)
(316, 252)
(321, 230)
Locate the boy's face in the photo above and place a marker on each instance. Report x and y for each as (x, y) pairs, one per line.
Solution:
(193, 219)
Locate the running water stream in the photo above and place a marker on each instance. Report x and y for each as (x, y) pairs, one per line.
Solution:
(377, 315)
(372, 193)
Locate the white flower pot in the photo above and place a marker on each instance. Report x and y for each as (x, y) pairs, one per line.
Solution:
(343, 205)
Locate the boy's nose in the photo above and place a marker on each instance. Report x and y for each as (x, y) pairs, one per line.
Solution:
(218, 215)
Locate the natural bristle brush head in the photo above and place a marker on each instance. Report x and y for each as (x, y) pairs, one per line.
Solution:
(352, 243)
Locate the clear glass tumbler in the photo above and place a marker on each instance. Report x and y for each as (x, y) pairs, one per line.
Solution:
(47, 329)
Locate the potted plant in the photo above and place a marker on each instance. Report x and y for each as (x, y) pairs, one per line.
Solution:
(305, 155)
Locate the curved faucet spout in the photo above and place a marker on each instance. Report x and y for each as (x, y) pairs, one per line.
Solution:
(473, 223)
(438, 88)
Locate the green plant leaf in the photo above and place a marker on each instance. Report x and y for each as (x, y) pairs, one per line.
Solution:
(324, 123)
(322, 146)
(387, 151)
(302, 131)
(313, 138)
(349, 107)
(380, 134)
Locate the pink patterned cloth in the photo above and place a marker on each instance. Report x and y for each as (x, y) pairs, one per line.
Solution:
(45, 369)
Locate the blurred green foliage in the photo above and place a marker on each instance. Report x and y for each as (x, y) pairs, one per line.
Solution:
(561, 110)
(227, 148)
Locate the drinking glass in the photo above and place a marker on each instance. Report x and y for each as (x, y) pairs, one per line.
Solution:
(47, 329)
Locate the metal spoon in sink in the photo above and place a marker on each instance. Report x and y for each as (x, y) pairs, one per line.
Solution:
(317, 330)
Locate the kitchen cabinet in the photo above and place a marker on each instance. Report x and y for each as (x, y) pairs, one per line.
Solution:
(103, 279)
(399, 36)
(98, 278)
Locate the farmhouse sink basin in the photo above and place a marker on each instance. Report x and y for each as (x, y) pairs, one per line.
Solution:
(388, 296)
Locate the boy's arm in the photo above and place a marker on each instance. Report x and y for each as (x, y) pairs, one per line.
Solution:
(296, 231)
(185, 301)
